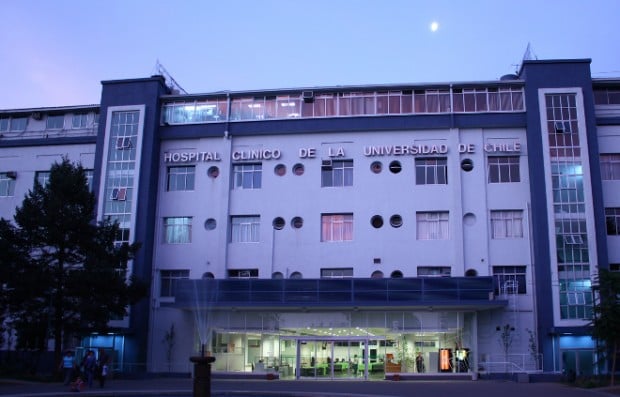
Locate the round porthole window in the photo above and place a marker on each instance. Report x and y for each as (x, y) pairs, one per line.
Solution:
(376, 167)
(298, 169)
(297, 222)
(467, 165)
(278, 223)
(396, 221)
(210, 224)
(213, 172)
(280, 169)
(376, 221)
(395, 167)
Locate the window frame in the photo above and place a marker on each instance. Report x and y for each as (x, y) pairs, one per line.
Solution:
(247, 176)
(178, 229)
(610, 166)
(431, 171)
(167, 280)
(504, 169)
(433, 225)
(503, 274)
(337, 173)
(180, 178)
(506, 224)
(7, 185)
(245, 229)
(337, 227)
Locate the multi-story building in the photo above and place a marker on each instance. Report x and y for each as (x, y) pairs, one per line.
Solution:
(303, 230)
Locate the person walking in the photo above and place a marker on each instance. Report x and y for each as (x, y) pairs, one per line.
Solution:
(103, 361)
(67, 365)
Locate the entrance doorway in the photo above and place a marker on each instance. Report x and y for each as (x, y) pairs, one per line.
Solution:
(335, 358)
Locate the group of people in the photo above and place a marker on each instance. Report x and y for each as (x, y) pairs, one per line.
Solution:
(83, 375)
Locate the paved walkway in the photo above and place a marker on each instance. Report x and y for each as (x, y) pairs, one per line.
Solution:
(314, 388)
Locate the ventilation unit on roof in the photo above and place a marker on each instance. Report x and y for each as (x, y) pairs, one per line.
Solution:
(326, 163)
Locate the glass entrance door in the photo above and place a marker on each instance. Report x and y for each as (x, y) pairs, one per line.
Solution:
(331, 359)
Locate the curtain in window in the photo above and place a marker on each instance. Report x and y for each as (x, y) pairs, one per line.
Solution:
(337, 227)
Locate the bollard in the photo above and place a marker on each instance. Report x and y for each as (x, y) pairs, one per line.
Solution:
(202, 375)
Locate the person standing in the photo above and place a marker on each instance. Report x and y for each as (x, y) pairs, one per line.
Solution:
(102, 366)
(90, 365)
(419, 363)
(67, 365)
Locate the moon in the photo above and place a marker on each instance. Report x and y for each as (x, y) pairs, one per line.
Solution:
(434, 26)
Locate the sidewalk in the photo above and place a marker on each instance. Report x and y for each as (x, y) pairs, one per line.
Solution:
(285, 388)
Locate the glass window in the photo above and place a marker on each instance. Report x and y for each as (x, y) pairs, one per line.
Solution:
(55, 122)
(243, 273)
(178, 230)
(610, 167)
(89, 178)
(509, 280)
(506, 224)
(4, 124)
(167, 281)
(181, 178)
(432, 225)
(43, 177)
(431, 171)
(247, 176)
(17, 123)
(245, 229)
(335, 173)
(7, 184)
(504, 169)
(79, 120)
(337, 227)
(434, 271)
(338, 272)
(612, 219)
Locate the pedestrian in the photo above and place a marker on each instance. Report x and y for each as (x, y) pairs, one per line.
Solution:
(90, 365)
(67, 366)
(103, 361)
(419, 363)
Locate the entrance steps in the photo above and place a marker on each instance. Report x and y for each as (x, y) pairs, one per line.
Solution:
(429, 376)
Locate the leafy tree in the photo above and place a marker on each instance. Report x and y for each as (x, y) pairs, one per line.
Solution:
(65, 277)
(606, 314)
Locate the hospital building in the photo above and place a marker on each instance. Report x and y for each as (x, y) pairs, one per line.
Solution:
(349, 231)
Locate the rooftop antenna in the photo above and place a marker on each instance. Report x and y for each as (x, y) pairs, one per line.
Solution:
(175, 87)
(528, 55)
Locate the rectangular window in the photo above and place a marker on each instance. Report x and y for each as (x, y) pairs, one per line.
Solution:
(610, 167)
(506, 224)
(55, 122)
(336, 173)
(7, 184)
(245, 229)
(509, 280)
(503, 169)
(123, 142)
(118, 194)
(431, 171)
(337, 227)
(43, 177)
(432, 225)
(338, 272)
(434, 271)
(612, 219)
(168, 279)
(247, 176)
(181, 178)
(243, 273)
(178, 230)
(79, 121)
(89, 178)
(18, 123)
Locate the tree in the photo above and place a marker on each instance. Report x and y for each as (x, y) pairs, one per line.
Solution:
(69, 277)
(606, 314)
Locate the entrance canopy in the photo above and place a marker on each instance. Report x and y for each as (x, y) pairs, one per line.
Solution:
(446, 292)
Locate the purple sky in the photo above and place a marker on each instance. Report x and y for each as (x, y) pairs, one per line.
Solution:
(56, 53)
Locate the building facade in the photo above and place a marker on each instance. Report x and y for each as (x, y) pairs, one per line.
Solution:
(350, 231)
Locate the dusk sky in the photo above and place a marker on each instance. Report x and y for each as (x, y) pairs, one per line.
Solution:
(56, 53)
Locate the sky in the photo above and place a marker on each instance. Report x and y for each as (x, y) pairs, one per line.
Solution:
(56, 53)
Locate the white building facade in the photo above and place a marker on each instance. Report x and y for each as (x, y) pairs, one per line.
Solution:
(341, 232)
